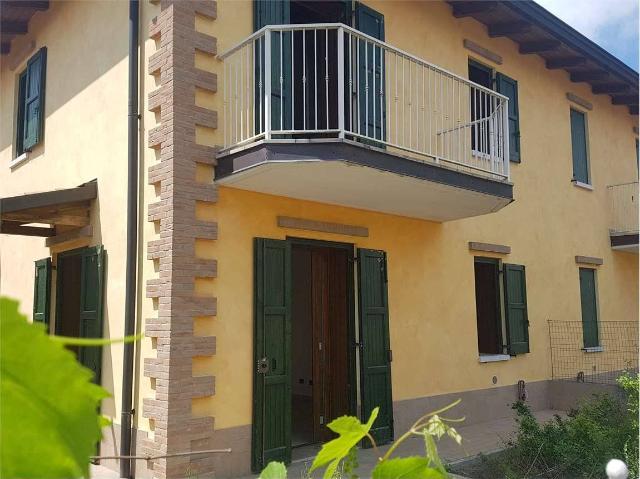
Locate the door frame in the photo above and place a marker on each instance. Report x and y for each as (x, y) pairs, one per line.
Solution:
(353, 347)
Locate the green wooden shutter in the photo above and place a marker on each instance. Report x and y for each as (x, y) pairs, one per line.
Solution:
(277, 12)
(371, 64)
(33, 111)
(91, 307)
(42, 291)
(515, 293)
(272, 353)
(375, 349)
(509, 88)
(579, 147)
(589, 307)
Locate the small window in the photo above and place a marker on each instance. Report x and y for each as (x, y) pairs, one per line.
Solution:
(589, 306)
(501, 307)
(30, 106)
(579, 147)
(481, 108)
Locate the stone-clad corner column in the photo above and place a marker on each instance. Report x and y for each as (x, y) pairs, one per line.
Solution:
(174, 428)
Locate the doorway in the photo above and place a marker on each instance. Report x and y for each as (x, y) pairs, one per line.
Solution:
(321, 330)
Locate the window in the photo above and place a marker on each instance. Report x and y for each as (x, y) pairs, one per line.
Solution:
(579, 147)
(480, 108)
(501, 307)
(589, 305)
(30, 111)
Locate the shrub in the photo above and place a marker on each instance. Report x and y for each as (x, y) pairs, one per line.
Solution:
(630, 383)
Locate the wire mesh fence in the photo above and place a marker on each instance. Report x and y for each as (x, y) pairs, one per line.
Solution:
(614, 353)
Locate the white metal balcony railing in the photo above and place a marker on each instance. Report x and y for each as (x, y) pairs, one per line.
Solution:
(321, 81)
(623, 200)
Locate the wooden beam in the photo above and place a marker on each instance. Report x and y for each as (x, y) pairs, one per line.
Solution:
(589, 76)
(54, 218)
(16, 228)
(624, 99)
(85, 232)
(5, 47)
(609, 88)
(508, 28)
(467, 9)
(86, 192)
(527, 48)
(13, 27)
(566, 62)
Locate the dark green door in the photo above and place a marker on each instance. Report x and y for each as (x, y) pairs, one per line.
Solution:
(91, 295)
(272, 353)
(579, 147)
(589, 307)
(42, 291)
(371, 97)
(515, 305)
(509, 88)
(375, 349)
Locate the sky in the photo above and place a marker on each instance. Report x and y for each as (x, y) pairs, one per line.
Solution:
(612, 24)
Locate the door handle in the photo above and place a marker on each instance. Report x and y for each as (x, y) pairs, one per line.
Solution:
(263, 366)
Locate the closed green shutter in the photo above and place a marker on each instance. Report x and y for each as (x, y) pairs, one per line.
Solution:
(515, 293)
(272, 353)
(33, 110)
(375, 348)
(579, 147)
(91, 307)
(277, 12)
(372, 104)
(42, 291)
(509, 88)
(589, 307)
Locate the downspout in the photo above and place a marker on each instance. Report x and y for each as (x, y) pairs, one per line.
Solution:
(132, 243)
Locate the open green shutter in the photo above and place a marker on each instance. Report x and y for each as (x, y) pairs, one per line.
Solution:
(42, 291)
(272, 353)
(33, 110)
(509, 88)
(371, 61)
(589, 307)
(579, 147)
(91, 307)
(515, 304)
(375, 348)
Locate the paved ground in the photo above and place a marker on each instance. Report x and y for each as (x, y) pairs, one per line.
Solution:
(483, 437)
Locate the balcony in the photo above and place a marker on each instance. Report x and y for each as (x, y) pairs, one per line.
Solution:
(623, 229)
(323, 112)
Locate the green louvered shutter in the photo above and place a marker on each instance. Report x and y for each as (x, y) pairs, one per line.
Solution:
(509, 88)
(91, 307)
(579, 147)
(515, 292)
(42, 291)
(375, 350)
(589, 307)
(33, 110)
(372, 105)
(272, 353)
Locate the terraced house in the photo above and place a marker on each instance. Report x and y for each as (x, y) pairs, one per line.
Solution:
(314, 208)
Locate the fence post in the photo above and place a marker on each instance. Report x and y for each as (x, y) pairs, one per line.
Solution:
(267, 84)
(341, 81)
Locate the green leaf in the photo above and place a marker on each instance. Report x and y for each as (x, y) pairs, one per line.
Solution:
(351, 431)
(49, 415)
(414, 467)
(274, 470)
(432, 452)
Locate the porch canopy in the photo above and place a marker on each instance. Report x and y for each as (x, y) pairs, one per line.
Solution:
(68, 209)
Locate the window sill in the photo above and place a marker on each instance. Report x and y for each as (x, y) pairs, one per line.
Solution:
(593, 349)
(19, 160)
(580, 184)
(492, 358)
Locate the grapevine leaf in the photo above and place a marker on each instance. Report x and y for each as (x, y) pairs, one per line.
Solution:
(274, 470)
(350, 431)
(49, 415)
(414, 467)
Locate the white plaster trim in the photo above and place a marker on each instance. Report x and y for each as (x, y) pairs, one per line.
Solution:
(19, 160)
(594, 349)
(580, 184)
(492, 358)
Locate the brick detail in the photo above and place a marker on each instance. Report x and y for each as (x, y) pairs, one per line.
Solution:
(174, 211)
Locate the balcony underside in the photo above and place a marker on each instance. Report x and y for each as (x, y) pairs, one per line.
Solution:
(359, 176)
(625, 242)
